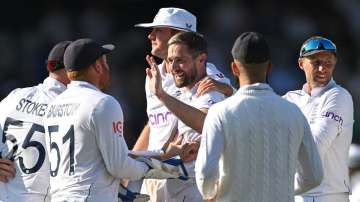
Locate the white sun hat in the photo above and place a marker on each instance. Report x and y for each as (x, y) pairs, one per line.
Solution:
(176, 18)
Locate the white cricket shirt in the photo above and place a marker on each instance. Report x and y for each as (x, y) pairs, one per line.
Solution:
(250, 146)
(174, 186)
(88, 153)
(329, 111)
(21, 120)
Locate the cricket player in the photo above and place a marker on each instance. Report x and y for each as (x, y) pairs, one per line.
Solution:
(84, 132)
(167, 23)
(252, 141)
(187, 57)
(329, 110)
(23, 133)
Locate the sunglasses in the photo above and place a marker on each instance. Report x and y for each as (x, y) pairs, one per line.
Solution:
(317, 44)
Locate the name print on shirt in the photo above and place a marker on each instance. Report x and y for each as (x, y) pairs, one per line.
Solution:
(62, 110)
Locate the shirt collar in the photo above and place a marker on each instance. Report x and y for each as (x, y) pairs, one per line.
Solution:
(53, 83)
(319, 90)
(83, 84)
(254, 88)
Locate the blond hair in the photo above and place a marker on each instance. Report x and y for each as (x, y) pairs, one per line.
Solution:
(81, 74)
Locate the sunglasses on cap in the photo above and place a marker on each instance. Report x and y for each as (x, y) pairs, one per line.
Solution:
(317, 45)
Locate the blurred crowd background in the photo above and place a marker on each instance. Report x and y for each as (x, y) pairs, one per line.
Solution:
(29, 29)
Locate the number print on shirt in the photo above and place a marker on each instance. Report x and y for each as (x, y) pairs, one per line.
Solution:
(54, 146)
(27, 143)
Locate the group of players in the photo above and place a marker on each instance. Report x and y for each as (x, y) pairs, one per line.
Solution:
(63, 139)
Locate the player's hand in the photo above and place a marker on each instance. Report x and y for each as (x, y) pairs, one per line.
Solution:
(190, 151)
(167, 169)
(154, 75)
(208, 84)
(174, 148)
(7, 170)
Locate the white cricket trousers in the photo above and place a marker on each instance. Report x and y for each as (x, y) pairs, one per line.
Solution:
(341, 197)
(155, 189)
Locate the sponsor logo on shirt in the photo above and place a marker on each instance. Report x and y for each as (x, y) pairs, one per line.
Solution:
(117, 127)
(159, 119)
(333, 116)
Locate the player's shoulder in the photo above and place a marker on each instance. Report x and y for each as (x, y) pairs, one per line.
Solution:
(213, 72)
(21, 92)
(106, 101)
(337, 90)
(294, 95)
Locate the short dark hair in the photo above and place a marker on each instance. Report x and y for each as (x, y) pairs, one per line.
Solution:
(194, 41)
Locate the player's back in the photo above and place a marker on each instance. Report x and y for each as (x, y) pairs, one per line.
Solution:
(78, 172)
(262, 134)
(21, 120)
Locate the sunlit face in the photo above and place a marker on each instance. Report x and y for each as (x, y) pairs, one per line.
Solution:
(318, 68)
(183, 65)
(159, 37)
(105, 79)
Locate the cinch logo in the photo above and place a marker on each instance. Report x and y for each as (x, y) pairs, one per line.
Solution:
(333, 116)
(117, 127)
(158, 119)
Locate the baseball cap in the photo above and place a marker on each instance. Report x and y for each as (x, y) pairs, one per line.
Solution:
(251, 47)
(317, 44)
(84, 52)
(176, 18)
(55, 59)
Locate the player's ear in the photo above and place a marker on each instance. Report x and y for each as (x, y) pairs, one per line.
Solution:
(235, 69)
(202, 58)
(97, 66)
(301, 63)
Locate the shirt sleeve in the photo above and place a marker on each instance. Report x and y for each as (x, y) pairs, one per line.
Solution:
(207, 100)
(213, 72)
(207, 163)
(109, 125)
(309, 171)
(336, 113)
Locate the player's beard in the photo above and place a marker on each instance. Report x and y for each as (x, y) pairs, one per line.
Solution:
(185, 79)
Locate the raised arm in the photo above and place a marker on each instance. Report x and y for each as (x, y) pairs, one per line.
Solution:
(191, 116)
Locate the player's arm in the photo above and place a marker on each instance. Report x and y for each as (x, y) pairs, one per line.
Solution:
(142, 142)
(7, 170)
(336, 114)
(309, 171)
(191, 116)
(207, 163)
(7, 167)
(208, 84)
(108, 123)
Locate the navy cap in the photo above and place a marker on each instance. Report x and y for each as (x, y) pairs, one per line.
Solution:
(84, 52)
(55, 59)
(251, 48)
